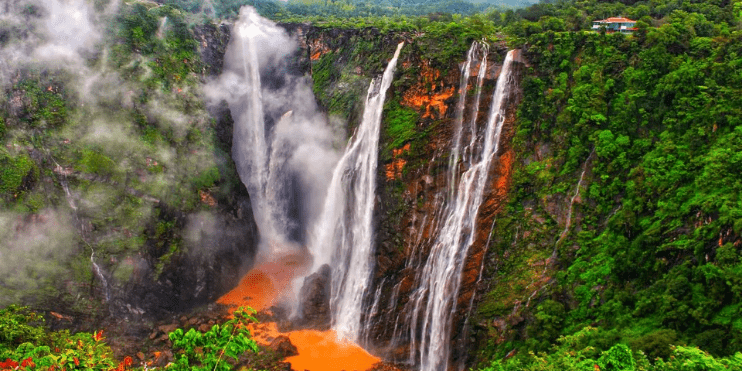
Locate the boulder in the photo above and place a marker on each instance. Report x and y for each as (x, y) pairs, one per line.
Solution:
(283, 347)
(314, 300)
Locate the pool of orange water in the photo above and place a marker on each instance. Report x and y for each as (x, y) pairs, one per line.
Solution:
(322, 350)
(261, 287)
(318, 350)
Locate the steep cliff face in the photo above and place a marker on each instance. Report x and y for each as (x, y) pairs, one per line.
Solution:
(126, 201)
(413, 177)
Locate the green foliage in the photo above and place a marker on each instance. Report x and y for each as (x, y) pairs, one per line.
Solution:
(25, 344)
(138, 27)
(44, 103)
(17, 174)
(654, 119)
(217, 348)
(657, 344)
(324, 73)
(207, 178)
(171, 51)
(571, 354)
(94, 162)
(400, 124)
(192, 6)
(19, 325)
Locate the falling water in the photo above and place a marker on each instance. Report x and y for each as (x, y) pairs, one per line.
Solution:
(276, 126)
(161, 29)
(439, 279)
(476, 48)
(250, 150)
(344, 231)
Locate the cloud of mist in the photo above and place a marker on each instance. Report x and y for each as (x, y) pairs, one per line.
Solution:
(33, 252)
(284, 147)
(50, 33)
(68, 39)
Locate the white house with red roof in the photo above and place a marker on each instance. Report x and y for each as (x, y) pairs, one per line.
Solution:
(615, 24)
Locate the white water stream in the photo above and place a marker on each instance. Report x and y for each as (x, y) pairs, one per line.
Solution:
(439, 278)
(343, 234)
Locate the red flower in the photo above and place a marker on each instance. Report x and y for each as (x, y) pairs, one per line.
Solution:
(98, 335)
(28, 362)
(9, 363)
(77, 361)
(128, 361)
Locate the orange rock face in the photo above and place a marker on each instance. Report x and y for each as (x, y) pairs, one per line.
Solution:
(393, 170)
(426, 95)
(317, 49)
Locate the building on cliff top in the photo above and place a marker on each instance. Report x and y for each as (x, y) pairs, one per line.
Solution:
(615, 24)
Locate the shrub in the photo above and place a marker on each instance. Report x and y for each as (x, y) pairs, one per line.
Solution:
(206, 350)
(16, 174)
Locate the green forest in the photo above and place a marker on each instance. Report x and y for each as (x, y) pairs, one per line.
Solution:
(647, 277)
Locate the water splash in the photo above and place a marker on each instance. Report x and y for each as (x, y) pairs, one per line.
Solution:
(276, 125)
(343, 235)
(434, 300)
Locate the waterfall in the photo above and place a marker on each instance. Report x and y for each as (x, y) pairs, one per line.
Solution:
(282, 143)
(476, 48)
(250, 150)
(434, 300)
(343, 234)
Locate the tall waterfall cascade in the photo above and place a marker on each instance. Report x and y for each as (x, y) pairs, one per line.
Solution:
(277, 125)
(438, 276)
(307, 197)
(343, 234)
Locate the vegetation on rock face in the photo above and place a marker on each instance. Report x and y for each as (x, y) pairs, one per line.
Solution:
(652, 121)
(88, 165)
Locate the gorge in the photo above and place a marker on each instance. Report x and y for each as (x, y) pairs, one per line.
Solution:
(430, 193)
(342, 235)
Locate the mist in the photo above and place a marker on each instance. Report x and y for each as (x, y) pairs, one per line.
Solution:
(284, 146)
(32, 246)
(66, 45)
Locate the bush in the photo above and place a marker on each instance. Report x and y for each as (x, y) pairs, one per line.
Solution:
(26, 344)
(16, 174)
(19, 325)
(205, 350)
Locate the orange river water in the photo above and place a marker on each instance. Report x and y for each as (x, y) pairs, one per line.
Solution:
(261, 287)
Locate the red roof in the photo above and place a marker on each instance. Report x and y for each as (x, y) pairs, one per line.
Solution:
(617, 20)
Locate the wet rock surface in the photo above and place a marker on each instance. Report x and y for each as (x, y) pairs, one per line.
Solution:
(283, 347)
(314, 298)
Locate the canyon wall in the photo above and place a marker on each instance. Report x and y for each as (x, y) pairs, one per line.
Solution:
(413, 175)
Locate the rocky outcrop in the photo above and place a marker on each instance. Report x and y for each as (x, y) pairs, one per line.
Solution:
(214, 247)
(314, 300)
(282, 346)
(213, 40)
